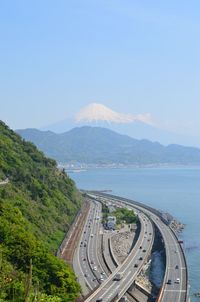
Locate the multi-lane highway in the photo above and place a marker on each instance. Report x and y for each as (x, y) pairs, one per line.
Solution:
(93, 244)
(87, 265)
(130, 268)
(175, 281)
(107, 288)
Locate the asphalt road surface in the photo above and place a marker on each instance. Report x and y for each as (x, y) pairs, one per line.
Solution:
(175, 280)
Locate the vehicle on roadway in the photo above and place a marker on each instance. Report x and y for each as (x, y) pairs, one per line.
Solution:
(118, 276)
(170, 272)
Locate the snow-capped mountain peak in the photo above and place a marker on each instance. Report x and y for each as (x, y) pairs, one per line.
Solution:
(99, 113)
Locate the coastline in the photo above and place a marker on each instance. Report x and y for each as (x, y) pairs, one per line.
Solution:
(73, 168)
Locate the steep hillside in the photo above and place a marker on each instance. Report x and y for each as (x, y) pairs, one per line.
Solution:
(37, 206)
(96, 145)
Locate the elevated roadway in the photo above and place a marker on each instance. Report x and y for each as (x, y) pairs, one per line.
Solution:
(175, 280)
(130, 268)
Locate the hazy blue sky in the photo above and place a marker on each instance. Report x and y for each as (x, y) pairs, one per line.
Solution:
(132, 56)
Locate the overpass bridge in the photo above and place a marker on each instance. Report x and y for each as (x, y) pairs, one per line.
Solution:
(175, 282)
(114, 287)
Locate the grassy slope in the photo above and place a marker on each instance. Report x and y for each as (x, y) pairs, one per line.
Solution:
(37, 207)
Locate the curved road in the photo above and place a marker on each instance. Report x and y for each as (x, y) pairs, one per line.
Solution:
(175, 280)
(130, 267)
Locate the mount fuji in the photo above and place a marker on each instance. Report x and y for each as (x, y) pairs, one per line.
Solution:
(140, 126)
(98, 135)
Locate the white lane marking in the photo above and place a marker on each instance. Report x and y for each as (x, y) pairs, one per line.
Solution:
(78, 256)
(117, 270)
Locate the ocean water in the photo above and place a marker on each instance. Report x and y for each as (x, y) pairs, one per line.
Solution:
(174, 190)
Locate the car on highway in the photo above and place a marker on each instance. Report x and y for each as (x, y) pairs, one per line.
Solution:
(169, 281)
(140, 258)
(99, 300)
(144, 251)
(118, 276)
(136, 265)
(94, 268)
(176, 267)
(177, 280)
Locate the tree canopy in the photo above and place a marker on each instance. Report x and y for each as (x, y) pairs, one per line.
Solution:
(37, 206)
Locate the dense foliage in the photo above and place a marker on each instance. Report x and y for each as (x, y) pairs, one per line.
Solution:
(125, 215)
(101, 146)
(37, 206)
(105, 212)
(122, 215)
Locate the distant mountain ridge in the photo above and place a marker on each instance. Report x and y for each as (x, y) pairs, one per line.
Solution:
(96, 145)
(138, 126)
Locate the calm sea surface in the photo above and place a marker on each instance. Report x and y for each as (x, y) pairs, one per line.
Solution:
(174, 190)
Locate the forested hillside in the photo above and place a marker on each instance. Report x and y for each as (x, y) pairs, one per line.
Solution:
(101, 146)
(37, 206)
